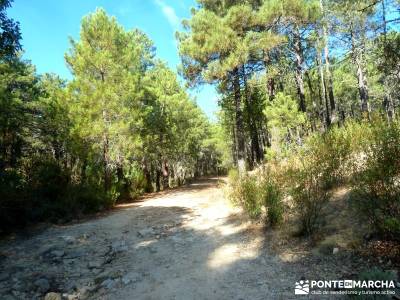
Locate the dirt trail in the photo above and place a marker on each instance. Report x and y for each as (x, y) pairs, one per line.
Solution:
(187, 243)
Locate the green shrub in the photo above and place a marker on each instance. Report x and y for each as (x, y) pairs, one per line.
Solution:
(271, 196)
(244, 191)
(44, 191)
(377, 185)
(334, 152)
(253, 192)
(308, 192)
(250, 197)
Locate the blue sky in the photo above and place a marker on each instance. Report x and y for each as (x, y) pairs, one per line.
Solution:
(47, 24)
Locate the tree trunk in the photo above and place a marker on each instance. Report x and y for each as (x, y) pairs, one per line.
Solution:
(106, 164)
(362, 87)
(389, 107)
(329, 81)
(315, 105)
(358, 56)
(158, 179)
(147, 176)
(271, 87)
(387, 100)
(234, 144)
(165, 174)
(255, 145)
(323, 91)
(239, 123)
(299, 68)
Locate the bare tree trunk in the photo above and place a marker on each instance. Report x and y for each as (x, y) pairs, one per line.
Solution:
(234, 145)
(239, 124)
(147, 176)
(315, 105)
(271, 86)
(106, 164)
(329, 81)
(358, 56)
(255, 146)
(323, 92)
(299, 69)
(388, 106)
(158, 179)
(165, 174)
(387, 100)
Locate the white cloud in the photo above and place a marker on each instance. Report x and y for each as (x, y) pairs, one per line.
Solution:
(169, 13)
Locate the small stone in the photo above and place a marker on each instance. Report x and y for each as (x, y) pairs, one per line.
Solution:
(131, 277)
(335, 250)
(70, 286)
(145, 232)
(76, 253)
(108, 283)
(57, 253)
(125, 280)
(83, 292)
(71, 296)
(68, 239)
(94, 264)
(119, 246)
(42, 285)
(96, 271)
(52, 296)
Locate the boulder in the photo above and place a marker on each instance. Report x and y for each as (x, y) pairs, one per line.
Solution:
(52, 296)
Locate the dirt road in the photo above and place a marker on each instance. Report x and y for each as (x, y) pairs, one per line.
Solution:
(187, 243)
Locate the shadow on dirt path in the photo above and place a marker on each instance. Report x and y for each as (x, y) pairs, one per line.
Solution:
(186, 243)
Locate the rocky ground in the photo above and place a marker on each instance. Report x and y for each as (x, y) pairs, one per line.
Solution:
(187, 243)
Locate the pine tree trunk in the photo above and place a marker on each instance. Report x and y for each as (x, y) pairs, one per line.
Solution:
(316, 109)
(362, 87)
(389, 107)
(323, 92)
(158, 179)
(165, 174)
(239, 123)
(387, 100)
(106, 163)
(299, 69)
(255, 146)
(329, 81)
(358, 54)
(147, 176)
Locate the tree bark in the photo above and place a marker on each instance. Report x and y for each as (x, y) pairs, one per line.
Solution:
(358, 57)
(329, 81)
(315, 105)
(147, 176)
(165, 174)
(255, 145)
(239, 123)
(158, 179)
(106, 164)
(324, 97)
(299, 68)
